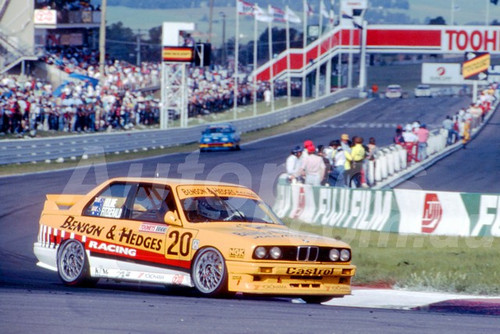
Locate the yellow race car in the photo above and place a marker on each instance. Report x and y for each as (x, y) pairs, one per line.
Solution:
(216, 237)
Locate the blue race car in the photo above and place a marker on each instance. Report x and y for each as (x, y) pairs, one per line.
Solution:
(219, 137)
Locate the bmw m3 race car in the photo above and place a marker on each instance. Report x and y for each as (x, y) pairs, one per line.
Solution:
(219, 137)
(218, 238)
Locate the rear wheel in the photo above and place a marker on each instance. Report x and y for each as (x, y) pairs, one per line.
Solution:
(209, 273)
(72, 264)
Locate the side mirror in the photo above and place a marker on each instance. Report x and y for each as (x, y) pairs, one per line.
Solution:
(171, 218)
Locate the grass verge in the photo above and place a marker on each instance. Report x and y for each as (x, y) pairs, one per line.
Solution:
(293, 125)
(419, 262)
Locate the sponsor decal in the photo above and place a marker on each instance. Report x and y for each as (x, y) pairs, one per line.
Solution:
(196, 191)
(152, 276)
(86, 228)
(238, 253)
(129, 237)
(111, 248)
(471, 39)
(106, 207)
(177, 54)
(178, 279)
(196, 244)
(489, 216)
(153, 228)
(433, 211)
(45, 16)
(311, 271)
(100, 271)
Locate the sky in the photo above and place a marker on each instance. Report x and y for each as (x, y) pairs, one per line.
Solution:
(466, 12)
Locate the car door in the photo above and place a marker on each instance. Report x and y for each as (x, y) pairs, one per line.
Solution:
(148, 207)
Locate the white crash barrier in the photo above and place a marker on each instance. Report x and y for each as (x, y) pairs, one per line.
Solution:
(370, 178)
(397, 161)
(383, 165)
(378, 166)
(436, 141)
(390, 161)
(402, 157)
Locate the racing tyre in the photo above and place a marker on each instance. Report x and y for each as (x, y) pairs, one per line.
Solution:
(209, 273)
(316, 299)
(72, 264)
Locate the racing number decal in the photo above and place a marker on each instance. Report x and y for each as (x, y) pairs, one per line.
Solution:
(181, 243)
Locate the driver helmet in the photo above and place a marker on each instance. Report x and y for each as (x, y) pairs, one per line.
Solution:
(209, 208)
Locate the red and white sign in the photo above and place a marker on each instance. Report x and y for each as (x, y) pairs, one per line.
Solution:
(45, 16)
(478, 39)
(442, 74)
(433, 211)
(420, 39)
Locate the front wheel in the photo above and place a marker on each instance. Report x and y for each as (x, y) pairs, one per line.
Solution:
(209, 273)
(316, 299)
(72, 264)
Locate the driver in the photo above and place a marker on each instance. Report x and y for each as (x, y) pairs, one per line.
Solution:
(210, 208)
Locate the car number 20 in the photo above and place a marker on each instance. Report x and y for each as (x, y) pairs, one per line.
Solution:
(180, 244)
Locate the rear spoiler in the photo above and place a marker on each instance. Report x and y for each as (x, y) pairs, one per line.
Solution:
(61, 201)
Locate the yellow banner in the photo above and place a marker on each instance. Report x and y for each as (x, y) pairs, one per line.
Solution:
(214, 190)
(177, 54)
(475, 66)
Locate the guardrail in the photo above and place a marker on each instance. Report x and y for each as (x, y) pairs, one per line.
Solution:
(57, 149)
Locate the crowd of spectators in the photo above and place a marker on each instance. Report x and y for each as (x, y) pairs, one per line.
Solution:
(120, 100)
(69, 5)
(344, 162)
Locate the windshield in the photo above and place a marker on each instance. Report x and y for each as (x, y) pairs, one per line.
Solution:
(212, 130)
(230, 209)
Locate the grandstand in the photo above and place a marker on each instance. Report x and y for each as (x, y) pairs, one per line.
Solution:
(27, 27)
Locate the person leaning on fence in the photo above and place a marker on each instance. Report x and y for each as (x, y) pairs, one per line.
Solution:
(449, 126)
(467, 120)
(422, 135)
(372, 150)
(355, 159)
(313, 168)
(398, 138)
(323, 153)
(411, 140)
(293, 165)
(339, 162)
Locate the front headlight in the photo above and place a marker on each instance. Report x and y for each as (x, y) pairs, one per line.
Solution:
(345, 255)
(334, 254)
(260, 252)
(275, 253)
(225, 139)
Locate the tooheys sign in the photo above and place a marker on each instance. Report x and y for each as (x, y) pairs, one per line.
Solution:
(433, 39)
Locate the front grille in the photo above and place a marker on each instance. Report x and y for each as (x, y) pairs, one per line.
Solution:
(307, 253)
(301, 254)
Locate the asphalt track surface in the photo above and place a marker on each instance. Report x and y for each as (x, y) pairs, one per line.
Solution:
(33, 299)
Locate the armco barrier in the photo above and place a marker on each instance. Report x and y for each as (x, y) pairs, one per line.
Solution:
(399, 210)
(73, 146)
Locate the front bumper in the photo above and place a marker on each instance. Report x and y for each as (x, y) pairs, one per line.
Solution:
(216, 146)
(290, 278)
